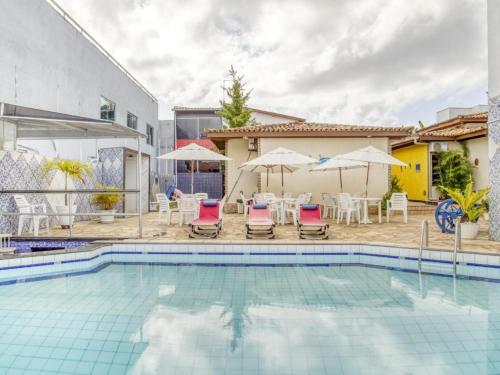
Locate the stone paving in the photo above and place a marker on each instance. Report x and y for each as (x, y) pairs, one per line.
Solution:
(394, 233)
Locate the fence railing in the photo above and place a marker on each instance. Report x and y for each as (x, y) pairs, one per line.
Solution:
(69, 194)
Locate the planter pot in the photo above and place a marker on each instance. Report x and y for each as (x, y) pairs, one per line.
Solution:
(106, 218)
(486, 216)
(469, 231)
(66, 221)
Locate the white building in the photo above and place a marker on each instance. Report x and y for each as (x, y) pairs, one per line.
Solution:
(50, 68)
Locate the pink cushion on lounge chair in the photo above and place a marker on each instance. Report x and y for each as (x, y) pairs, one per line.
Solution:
(209, 215)
(311, 217)
(261, 216)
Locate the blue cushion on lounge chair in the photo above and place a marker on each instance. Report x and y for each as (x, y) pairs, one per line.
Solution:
(310, 207)
(209, 202)
(259, 206)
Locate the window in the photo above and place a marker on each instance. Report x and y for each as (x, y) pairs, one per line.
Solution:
(131, 120)
(150, 132)
(107, 109)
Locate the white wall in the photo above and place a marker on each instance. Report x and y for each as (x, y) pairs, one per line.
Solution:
(47, 64)
(237, 150)
(479, 150)
(303, 180)
(265, 119)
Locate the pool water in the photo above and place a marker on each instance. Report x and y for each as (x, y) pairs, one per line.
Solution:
(159, 319)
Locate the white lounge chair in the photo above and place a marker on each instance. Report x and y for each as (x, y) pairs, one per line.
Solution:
(398, 202)
(166, 206)
(347, 206)
(32, 213)
(5, 246)
(330, 207)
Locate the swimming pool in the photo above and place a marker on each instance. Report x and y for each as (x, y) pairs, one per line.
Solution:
(170, 319)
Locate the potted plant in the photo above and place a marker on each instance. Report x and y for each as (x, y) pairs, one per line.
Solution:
(107, 203)
(75, 170)
(472, 206)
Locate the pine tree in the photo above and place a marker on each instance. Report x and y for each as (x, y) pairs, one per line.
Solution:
(235, 112)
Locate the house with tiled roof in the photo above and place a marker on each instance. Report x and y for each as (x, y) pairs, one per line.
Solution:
(189, 123)
(421, 151)
(309, 138)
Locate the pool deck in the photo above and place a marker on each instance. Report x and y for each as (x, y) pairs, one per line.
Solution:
(395, 233)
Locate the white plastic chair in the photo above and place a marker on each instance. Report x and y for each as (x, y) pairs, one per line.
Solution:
(246, 204)
(330, 206)
(187, 210)
(347, 206)
(5, 247)
(166, 206)
(288, 195)
(32, 213)
(292, 207)
(398, 202)
(258, 198)
(268, 197)
(200, 196)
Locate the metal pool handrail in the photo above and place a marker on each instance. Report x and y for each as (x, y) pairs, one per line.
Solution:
(457, 244)
(424, 241)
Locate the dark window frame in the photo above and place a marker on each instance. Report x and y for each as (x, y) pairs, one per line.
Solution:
(130, 116)
(150, 135)
(109, 114)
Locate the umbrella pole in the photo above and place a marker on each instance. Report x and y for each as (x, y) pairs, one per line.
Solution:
(340, 173)
(267, 180)
(192, 176)
(367, 175)
(282, 184)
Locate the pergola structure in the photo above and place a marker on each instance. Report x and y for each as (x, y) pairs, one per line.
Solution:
(33, 124)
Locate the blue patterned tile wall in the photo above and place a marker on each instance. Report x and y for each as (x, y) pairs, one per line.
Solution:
(24, 171)
(494, 154)
(111, 168)
(210, 183)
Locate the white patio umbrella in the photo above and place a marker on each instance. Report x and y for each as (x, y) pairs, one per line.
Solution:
(194, 153)
(371, 155)
(280, 160)
(338, 163)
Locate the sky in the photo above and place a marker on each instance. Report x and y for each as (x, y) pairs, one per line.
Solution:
(372, 62)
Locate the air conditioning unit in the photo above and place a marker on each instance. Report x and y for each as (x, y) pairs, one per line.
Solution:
(253, 144)
(438, 146)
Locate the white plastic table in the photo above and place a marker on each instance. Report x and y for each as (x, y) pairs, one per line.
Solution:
(281, 202)
(366, 219)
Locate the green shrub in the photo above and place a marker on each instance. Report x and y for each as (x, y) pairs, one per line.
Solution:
(395, 188)
(453, 171)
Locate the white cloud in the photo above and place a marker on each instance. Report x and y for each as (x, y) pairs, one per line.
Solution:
(340, 61)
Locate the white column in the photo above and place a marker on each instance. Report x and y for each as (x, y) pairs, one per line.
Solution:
(494, 114)
(139, 184)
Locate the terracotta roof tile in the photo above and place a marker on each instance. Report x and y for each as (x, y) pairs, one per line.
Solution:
(309, 127)
(457, 128)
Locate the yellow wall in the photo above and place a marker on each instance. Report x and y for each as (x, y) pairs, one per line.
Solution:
(415, 183)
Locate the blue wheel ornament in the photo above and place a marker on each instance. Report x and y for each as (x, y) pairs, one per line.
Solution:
(446, 213)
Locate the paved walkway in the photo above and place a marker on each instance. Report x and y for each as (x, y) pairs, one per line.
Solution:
(394, 233)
